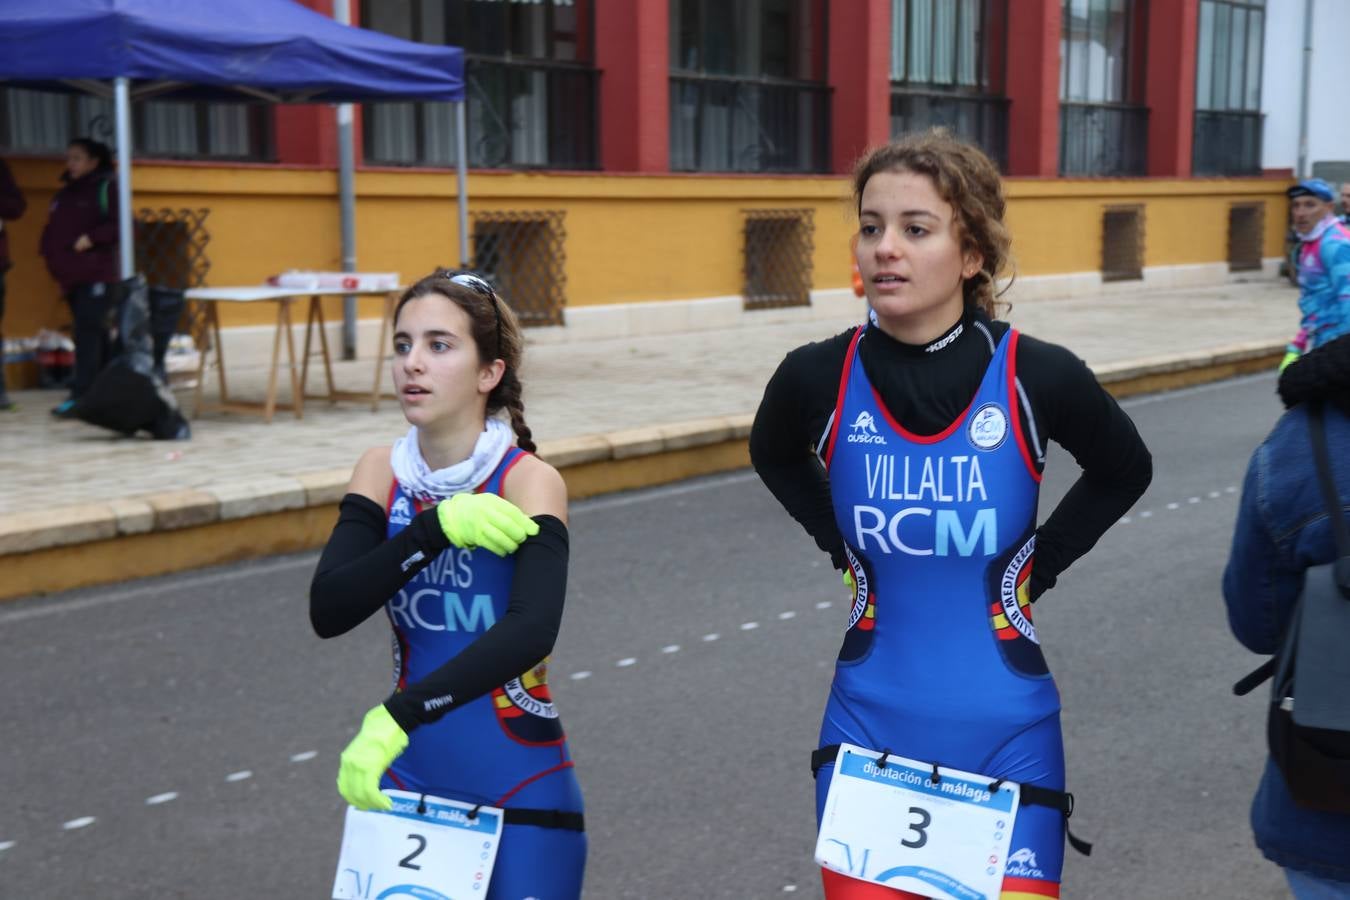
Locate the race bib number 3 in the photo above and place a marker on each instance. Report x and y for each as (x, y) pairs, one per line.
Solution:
(425, 848)
(896, 825)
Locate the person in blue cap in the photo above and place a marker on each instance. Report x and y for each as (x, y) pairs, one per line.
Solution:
(1323, 268)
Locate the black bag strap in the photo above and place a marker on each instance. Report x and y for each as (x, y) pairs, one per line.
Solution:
(1032, 794)
(540, 818)
(1330, 497)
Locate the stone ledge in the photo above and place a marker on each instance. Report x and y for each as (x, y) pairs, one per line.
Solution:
(1162, 364)
(25, 532)
(183, 509)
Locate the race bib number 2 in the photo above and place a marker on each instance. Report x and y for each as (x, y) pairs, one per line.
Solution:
(425, 848)
(898, 826)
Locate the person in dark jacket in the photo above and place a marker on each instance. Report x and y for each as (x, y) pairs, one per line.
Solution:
(80, 244)
(12, 206)
(1282, 529)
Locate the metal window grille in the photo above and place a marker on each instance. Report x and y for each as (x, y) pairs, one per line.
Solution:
(1123, 243)
(748, 125)
(779, 245)
(979, 118)
(1101, 139)
(1246, 230)
(1227, 143)
(522, 253)
(171, 254)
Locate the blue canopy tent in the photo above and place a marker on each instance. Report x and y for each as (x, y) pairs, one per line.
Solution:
(274, 51)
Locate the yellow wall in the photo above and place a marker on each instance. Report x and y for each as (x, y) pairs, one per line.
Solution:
(629, 238)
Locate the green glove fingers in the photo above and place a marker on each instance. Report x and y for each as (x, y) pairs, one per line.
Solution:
(849, 583)
(366, 758)
(471, 521)
(1288, 359)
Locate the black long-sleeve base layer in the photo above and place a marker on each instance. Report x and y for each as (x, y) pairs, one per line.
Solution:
(360, 569)
(925, 388)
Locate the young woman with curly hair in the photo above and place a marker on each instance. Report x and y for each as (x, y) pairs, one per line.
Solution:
(458, 533)
(911, 449)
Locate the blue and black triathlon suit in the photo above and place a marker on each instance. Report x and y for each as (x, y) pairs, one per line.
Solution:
(471, 686)
(921, 475)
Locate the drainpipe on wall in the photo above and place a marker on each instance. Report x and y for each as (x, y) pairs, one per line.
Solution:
(1305, 90)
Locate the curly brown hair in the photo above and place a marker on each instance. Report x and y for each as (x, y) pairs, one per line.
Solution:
(496, 333)
(970, 182)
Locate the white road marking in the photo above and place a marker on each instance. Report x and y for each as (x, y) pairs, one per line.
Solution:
(239, 776)
(1214, 495)
(1146, 514)
(580, 676)
(1231, 489)
(749, 626)
(789, 888)
(304, 757)
(161, 798)
(1192, 499)
(671, 648)
(824, 604)
(81, 822)
(5, 845)
(1124, 520)
(1174, 506)
(626, 662)
(711, 637)
(787, 614)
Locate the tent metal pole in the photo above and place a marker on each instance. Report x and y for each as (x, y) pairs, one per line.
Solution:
(342, 12)
(462, 180)
(347, 194)
(126, 237)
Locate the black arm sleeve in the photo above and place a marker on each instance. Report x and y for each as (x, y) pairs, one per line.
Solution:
(359, 569)
(1080, 416)
(782, 444)
(520, 640)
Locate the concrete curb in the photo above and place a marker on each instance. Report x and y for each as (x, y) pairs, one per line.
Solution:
(74, 546)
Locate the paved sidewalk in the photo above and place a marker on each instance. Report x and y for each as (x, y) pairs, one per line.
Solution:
(577, 396)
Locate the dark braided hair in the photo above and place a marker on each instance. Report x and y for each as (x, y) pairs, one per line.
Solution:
(496, 332)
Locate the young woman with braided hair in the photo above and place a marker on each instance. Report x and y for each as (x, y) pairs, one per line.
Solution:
(911, 449)
(459, 534)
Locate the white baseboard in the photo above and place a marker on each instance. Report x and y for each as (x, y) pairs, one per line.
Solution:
(252, 345)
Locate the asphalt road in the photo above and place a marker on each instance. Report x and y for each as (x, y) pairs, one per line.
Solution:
(196, 720)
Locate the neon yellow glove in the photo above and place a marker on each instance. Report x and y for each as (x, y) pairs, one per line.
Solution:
(1288, 359)
(850, 584)
(378, 744)
(471, 521)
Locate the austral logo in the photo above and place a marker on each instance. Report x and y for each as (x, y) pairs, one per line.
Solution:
(864, 430)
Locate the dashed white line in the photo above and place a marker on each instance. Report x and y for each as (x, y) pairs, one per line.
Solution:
(626, 662)
(789, 888)
(1124, 520)
(709, 638)
(1174, 506)
(824, 604)
(671, 648)
(81, 822)
(1214, 495)
(304, 757)
(1192, 499)
(787, 614)
(749, 626)
(580, 676)
(5, 845)
(239, 776)
(1231, 489)
(161, 798)
(1146, 514)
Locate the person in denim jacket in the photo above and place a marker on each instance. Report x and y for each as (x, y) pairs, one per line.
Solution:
(1282, 529)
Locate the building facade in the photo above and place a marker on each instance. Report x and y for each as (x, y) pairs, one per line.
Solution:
(639, 165)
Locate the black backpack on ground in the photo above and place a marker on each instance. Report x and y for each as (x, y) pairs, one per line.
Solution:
(1308, 722)
(129, 395)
